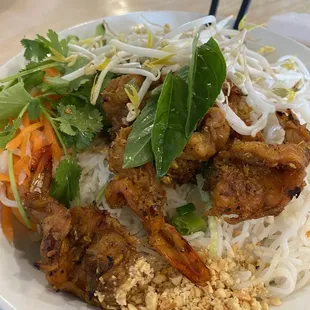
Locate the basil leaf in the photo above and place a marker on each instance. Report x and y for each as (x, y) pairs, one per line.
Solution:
(183, 73)
(168, 134)
(12, 101)
(207, 73)
(138, 149)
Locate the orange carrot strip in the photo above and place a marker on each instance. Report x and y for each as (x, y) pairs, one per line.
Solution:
(35, 93)
(52, 72)
(54, 97)
(23, 147)
(6, 223)
(17, 141)
(51, 139)
(22, 164)
(26, 120)
(4, 178)
(37, 140)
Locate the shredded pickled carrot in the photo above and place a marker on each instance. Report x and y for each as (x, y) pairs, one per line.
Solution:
(22, 164)
(52, 72)
(51, 139)
(55, 97)
(4, 178)
(6, 222)
(37, 140)
(26, 121)
(17, 141)
(23, 147)
(35, 93)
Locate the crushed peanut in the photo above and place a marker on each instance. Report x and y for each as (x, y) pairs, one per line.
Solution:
(163, 288)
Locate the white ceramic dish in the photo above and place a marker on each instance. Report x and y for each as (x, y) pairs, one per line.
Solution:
(22, 287)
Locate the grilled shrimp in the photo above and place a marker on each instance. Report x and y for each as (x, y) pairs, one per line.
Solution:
(84, 251)
(141, 191)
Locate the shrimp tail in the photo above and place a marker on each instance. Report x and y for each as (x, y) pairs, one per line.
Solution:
(41, 166)
(177, 251)
(162, 237)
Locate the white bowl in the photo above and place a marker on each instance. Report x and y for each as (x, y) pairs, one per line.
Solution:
(22, 287)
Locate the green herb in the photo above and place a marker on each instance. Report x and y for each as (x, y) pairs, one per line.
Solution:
(207, 73)
(188, 208)
(55, 85)
(51, 121)
(185, 99)
(86, 82)
(83, 86)
(32, 80)
(138, 149)
(15, 190)
(168, 136)
(78, 124)
(31, 68)
(12, 101)
(9, 133)
(53, 43)
(65, 185)
(100, 30)
(34, 49)
(183, 73)
(189, 223)
(34, 109)
(101, 192)
(71, 38)
(10, 130)
(40, 47)
(79, 63)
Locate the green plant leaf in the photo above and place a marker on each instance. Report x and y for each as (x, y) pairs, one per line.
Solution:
(168, 134)
(34, 49)
(61, 46)
(78, 124)
(100, 30)
(138, 149)
(34, 109)
(12, 101)
(9, 133)
(79, 63)
(65, 185)
(206, 75)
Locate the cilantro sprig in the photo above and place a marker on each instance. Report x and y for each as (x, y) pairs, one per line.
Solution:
(65, 185)
(74, 121)
(78, 125)
(39, 48)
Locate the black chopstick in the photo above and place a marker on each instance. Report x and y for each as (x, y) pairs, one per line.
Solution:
(243, 10)
(213, 7)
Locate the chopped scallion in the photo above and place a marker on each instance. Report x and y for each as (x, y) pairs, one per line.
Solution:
(188, 208)
(189, 223)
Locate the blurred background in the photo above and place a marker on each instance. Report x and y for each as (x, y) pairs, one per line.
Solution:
(19, 18)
